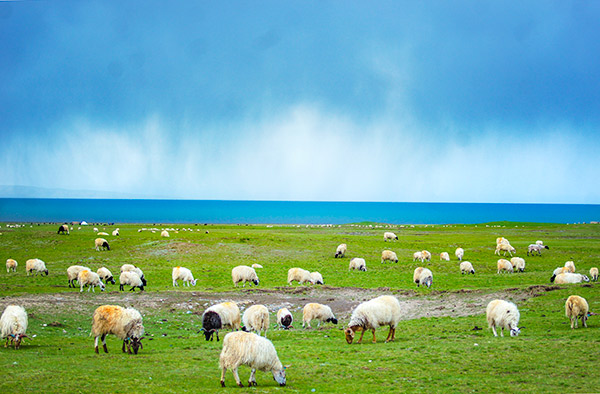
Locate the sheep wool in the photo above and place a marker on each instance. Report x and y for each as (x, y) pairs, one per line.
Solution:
(320, 312)
(459, 253)
(593, 273)
(125, 324)
(165, 234)
(357, 263)
(284, 318)
(423, 276)
(256, 318)
(341, 251)
(389, 236)
(35, 266)
(505, 315)
(570, 266)
(317, 278)
(466, 268)
(370, 315)
(72, 273)
(105, 275)
(388, 255)
(91, 279)
(115, 233)
(229, 313)
(13, 325)
(101, 243)
(569, 277)
(300, 275)
(504, 247)
(444, 256)
(243, 273)
(577, 307)
(518, 264)
(184, 275)
(504, 265)
(130, 278)
(11, 265)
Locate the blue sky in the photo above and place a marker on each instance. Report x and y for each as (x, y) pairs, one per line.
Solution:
(462, 101)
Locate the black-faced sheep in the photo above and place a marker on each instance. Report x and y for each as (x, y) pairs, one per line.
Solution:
(423, 276)
(63, 229)
(229, 314)
(13, 325)
(569, 277)
(130, 278)
(370, 315)
(317, 278)
(466, 268)
(594, 273)
(533, 248)
(577, 307)
(105, 275)
(211, 324)
(388, 255)
(284, 318)
(357, 263)
(133, 268)
(125, 324)
(184, 275)
(518, 264)
(503, 314)
(101, 243)
(300, 275)
(11, 265)
(459, 253)
(72, 273)
(243, 273)
(341, 251)
(320, 312)
(389, 236)
(504, 265)
(35, 266)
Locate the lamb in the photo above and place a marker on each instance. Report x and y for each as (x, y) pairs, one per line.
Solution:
(570, 266)
(370, 315)
(577, 307)
(317, 311)
(36, 265)
(317, 278)
(229, 315)
(389, 255)
(115, 233)
(11, 265)
(284, 318)
(133, 268)
(423, 276)
(256, 318)
(91, 279)
(72, 273)
(130, 278)
(245, 348)
(536, 248)
(389, 235)
(63, 229)
(300, 275)
(13, 325)
(341, 251)
(243, 273)
(503, 314)
(418, 256)
(357, 263)
(466, 268)
(593, 273)
(183, 274)
(444, 256)
(518, 264)
(504, 265)
(504, 247)
(105, 275)
(568, 277)
(125, 324)
(256, 265)
(459, 253)
(164, 233)
(101, 243)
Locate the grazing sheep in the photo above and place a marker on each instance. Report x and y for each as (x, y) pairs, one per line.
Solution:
(466, 268)
(425, 256)
(593, 273)
(36, 265)
(577, 307)
(536, 248)
(72, 273)
(518, 264)
(504, 265)
(504, 247)
(63, 229)
(357, 263)
(130, 278)
(211, 324)
(317, 278)
(300, 275)
(570, 266)
(256, 318)
(229, 315)
(13, 325)
(245, 348)
(389, 255)
(11, 265)
(459, 253)
(423, 276)
(418, 256)
(115, 233)
(101, 243)
(243, 273)
(569, 277)
(389, 235)
(95, 229)
(444, 256)
(284, 318)
(125, 324)
(503, 314)
(256, 265)
(370, 315)
(164, 233)
(341, 251)
(317, 311)
(133, 268)
(89, 278)
(184, 275)
(105, 275)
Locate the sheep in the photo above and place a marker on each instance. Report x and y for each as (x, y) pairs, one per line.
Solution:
(466, 268)
(102, 233)
(459, 253)
(183, 274)
(425, 256)
(370, 315)
(130, 278)
(418, 256)
(72, 273)
(229, 315)
(503, 314)
(245, 348)
(133, 268)
(357, 263)
(125, 324)
(91, 279)
(11, 265)
(518, 264)
(300, 275)
(536, 248)
(243, 273)
(594, 273)
(341, 251)
(63, 229)
(317, 278)
(577, 307)
(502, 240)
(504, 265)
(115, 233)
(389, 255)
(504, 247)
(284, 318)
(570, 266)
(164, 233)
(95, 229)
(444, 256)
(423, 276)
(101, 243)
(317, 311)
(105, 275)
(569, 277)
(256, 318)
(13, 325)
(255, 265)
(36, 265)
(389, 235)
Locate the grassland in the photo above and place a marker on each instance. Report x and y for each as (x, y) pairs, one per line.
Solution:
(443, 345)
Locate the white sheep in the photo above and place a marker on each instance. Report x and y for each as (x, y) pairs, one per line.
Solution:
(133, 268)
(594, 273)
(505, 315)
(11, 265)
(229, 313)
(504, 247)
(570, 266)
(300, 275)
(357, 263)
(370, 315)
(284, 318)
(466, 268)
(125, 324)
(101, 243)
(568, 277)
(459, 253)
(13, 325)
(256, 318)
(95, 229)
(105, 275)
(184, 275)
(102, 233)
(115, 233)
(72, 273)
(504, 265)
(388, 255)
(577, 307)
(425, 256)
(518, 264)
(165, 234)
(444, 256)
(341, 251)
(320, 312)
(89, 278)
(418, 256)
(317, 278)
(130, 278)
(255, 265)
(246, 348)
(502, 240)
(36, 265)
(423, 276)
(389, 236)
(533, 248)
(243, 273)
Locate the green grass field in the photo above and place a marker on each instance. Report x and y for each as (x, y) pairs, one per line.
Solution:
(439, 347)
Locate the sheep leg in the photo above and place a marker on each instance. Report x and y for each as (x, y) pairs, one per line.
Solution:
(123, 347)
(374, 340)
(175, 283)
(252, 380)
(494, 331)
(237, 377)
(362, 332)
(389, 335)
(121, 287)
(223, 377)
(103, 343)
(583, 320)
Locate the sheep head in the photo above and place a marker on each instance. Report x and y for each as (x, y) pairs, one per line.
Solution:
(136, 344)
(279, 376)
(349, 333)
(515, 331)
